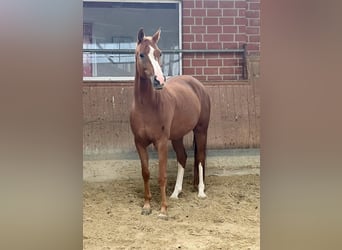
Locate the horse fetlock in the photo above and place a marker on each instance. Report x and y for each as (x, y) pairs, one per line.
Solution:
(201, 193)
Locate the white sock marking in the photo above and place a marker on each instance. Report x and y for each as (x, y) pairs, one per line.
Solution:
(201, 193)
(179, 182)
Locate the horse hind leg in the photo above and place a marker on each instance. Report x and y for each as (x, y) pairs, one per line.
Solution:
(178, 147)
(200, 141)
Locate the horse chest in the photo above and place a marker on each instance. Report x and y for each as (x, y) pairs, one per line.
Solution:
(149, 126)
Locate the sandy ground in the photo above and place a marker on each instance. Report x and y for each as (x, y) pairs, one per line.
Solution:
(229, 218)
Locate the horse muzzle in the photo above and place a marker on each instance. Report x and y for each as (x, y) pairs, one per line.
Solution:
(157, 84)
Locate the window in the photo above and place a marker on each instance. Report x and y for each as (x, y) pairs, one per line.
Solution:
(110, 33)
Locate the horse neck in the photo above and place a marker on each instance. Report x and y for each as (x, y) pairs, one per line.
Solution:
(143, 91)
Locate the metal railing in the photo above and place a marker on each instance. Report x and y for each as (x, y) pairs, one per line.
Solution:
(243, 51)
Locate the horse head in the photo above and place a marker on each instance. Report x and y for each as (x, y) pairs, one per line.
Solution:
(147, 58)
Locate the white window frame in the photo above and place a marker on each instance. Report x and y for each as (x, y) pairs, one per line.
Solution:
(129, 78)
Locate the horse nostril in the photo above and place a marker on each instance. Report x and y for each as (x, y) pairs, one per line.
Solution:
(156, 83)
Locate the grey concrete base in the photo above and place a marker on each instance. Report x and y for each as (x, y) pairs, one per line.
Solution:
(127, 166)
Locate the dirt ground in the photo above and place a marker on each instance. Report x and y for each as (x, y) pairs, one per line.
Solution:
(229, 218)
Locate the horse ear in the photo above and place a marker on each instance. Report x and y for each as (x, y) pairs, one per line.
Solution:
(141, 35)
(156, 36)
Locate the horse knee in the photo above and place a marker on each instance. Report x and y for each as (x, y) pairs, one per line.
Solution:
(162, 180)
(146, 174)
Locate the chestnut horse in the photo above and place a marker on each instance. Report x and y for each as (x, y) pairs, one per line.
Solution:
(163, 111)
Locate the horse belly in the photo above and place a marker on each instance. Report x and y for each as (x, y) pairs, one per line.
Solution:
(183, 124)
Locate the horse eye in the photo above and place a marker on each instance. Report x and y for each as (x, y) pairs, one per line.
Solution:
(160, 54)
(141, 55)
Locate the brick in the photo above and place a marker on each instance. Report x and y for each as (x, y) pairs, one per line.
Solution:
(199, 38)
(199, 56)
(188, 37)
(210, 3)
(240, 37)
(211, 71)
(186, 12)
(186, 45)
(240, 21)
(229, 12)
(199, 4)
(229, 78)
(187, 56)
(230, 62)
(199, 71)
(201, 78)
(186, 28)
(210, 38)
(214, 12)
(188, 4)
(254, 38)
(214, 45)
(199, 62)
(254, 22)
(214, 78)
(214, 29)
(242, 29)
(231, 45)
(240, 4)
(198, 20)
(188, 71)
(252, 30)
(186, 62)
(242, 13)
(198, 12)
(198, 29)
(198, 45)
(228, 56)
(253, 46)
(226, 37)
(254, 6)
(188, 21)
(229, 29)
(227, 21)
(214, 62)
(226, 70)
(212, 56)
(210, 21)
(226, 4)
(238, 70)
(252, 14)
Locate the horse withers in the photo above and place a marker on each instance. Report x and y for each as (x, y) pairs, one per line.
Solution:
(167, 110)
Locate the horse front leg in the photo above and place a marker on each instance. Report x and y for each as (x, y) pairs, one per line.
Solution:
(162, 155)
(143, 155)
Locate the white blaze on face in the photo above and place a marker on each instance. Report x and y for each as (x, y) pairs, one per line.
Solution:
(156, 67)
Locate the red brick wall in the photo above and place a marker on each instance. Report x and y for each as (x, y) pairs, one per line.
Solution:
(219, 24)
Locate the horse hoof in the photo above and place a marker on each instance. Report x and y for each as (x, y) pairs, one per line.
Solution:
(163, 216)
(202, 195)
(146, 211)
(174, 196)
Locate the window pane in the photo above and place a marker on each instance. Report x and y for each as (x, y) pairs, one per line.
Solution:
(114, 25)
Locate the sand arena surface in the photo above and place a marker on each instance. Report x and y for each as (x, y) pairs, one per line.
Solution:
(229, 218)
